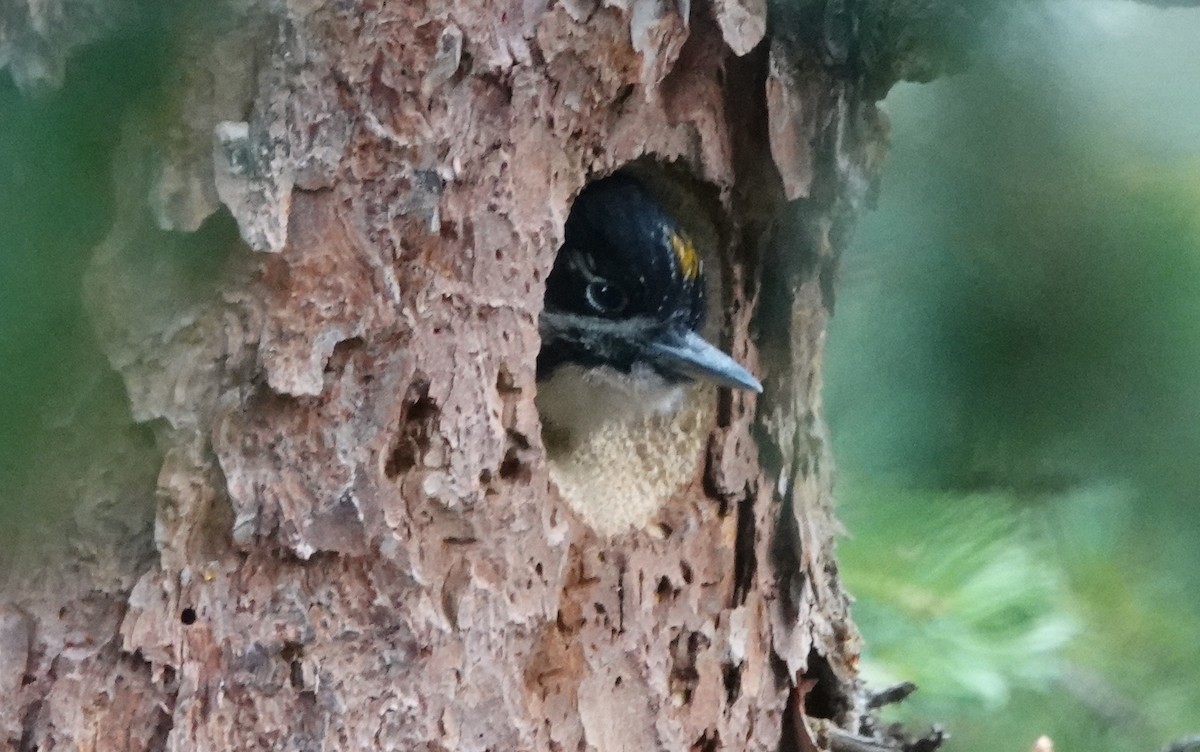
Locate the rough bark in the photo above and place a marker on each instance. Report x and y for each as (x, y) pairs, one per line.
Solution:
(356, 543)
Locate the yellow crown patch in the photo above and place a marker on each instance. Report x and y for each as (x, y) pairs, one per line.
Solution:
(689, 260)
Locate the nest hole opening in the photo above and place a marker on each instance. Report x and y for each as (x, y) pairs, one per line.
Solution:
(624, 432)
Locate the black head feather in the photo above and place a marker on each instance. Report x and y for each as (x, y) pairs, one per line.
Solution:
(623, 258)
(627, 293)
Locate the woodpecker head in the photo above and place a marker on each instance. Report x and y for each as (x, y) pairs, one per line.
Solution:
(626, 297)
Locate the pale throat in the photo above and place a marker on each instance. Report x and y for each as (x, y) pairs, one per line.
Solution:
(575, 399)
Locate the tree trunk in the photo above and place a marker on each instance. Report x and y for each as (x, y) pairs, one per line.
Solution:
(357, 542)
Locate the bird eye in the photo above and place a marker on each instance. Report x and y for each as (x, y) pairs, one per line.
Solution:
(604, 297)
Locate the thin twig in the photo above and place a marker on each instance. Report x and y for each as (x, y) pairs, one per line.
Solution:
(841, 740)
(891, 695)
(844, 741)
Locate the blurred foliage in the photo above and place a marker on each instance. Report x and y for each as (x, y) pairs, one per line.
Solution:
(56, 204)
(881, 42)
(39, 36)
(969, 569)
(1013, 383)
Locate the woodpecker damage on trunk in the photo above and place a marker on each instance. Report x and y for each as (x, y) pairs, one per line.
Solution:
(363, 537)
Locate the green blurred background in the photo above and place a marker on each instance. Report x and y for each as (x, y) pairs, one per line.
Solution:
(1013, 385)
(58, 397)
(1012, 373)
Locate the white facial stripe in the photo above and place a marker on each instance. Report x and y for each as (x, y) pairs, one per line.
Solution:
(621, 328)
(583, 262)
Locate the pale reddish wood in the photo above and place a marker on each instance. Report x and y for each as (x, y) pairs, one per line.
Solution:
(358, 546)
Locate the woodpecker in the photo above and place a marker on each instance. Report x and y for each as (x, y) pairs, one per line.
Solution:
(624, 302)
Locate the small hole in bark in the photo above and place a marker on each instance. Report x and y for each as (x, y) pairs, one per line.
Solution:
(518, 440)
(293, 654)
(423, 408)
(687, 572)
(513, 467)
(824, 700)
(600, 608)
(510, 468)
(664, 588)
(538, 568)
(188, 616)
(506, 383)
(622, 96)
(617, 683)
(342, 352)
(731, 676)
(403, 459)
(745, 560)
(416, 427)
